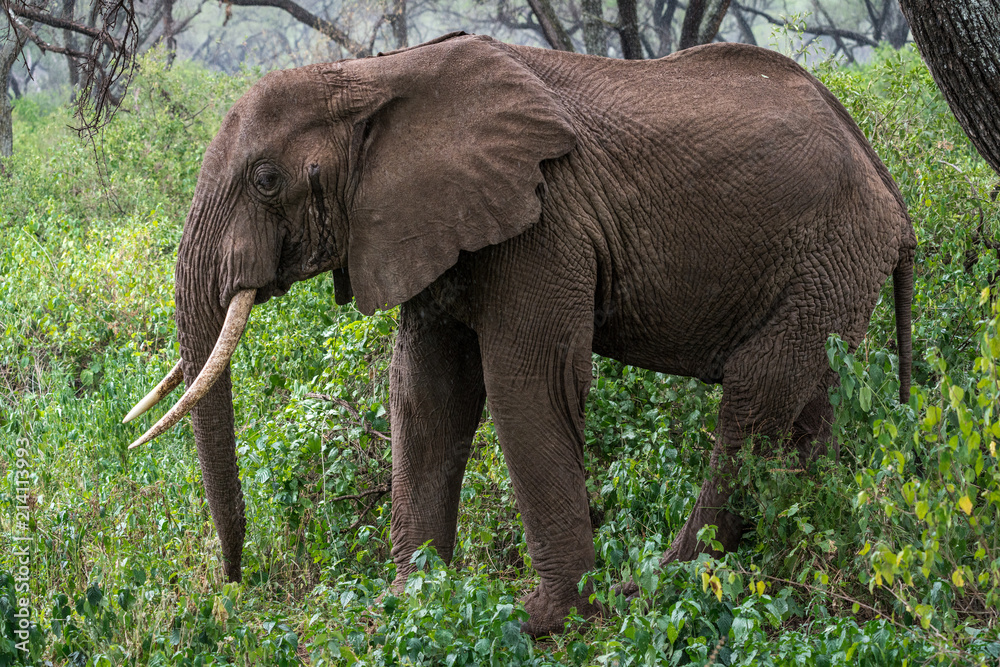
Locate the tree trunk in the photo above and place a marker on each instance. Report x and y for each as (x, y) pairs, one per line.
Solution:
(69, 41)
(168, 31)
(960, 41)
(663, 20)
(8, 56)
(702, 21)
(628, 30)
(553, 30)
(398, 22)
(595, 37)
(895, 29)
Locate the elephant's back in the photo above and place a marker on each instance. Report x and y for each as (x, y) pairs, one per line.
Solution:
(722, 182)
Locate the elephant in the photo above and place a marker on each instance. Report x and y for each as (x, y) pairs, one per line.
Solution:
(714, 214)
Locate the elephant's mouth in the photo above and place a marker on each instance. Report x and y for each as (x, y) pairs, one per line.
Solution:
(278, 287)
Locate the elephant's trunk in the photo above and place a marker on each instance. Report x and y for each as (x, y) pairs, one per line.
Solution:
(214, 435)
(199, 324)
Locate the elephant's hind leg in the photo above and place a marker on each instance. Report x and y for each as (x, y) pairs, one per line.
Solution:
(812, 431)
(771, 393)
(437, 397)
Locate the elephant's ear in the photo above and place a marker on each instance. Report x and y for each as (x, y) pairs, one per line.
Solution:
(447, 160)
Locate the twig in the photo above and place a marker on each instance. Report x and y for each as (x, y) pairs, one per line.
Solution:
(364, 494)
(845, 598)
(359, 420)
(361, 517)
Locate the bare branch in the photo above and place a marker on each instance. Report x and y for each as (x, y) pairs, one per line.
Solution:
(876, 21)
(45, 46)
(364, 494)
(358, 419)
(182, 25)
(553, 30)
(745, 29)
(34, 14)
(301, 14)
(836, 38)
(823, 31)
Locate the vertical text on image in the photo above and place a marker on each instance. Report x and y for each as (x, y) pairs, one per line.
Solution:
(22, 547)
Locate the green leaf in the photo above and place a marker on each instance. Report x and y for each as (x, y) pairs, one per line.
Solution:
(865, 398)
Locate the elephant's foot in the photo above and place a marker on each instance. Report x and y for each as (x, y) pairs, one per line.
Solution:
(398, 585)
(708, 511)
(631, 592)
(547, 612)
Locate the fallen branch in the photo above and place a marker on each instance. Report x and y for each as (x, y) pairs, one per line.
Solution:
(808, 587)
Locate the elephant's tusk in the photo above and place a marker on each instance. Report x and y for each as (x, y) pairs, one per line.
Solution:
(229, 337)
(167, 385)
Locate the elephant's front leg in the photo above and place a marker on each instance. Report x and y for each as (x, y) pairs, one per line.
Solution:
(538, 415)
(537, 368)
(436, 401)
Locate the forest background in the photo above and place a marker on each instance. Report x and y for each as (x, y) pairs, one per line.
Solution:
(888, 556)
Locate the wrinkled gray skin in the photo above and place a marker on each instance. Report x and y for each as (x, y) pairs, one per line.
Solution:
(714, 214)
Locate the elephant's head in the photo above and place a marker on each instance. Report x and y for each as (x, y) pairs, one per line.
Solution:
(381, 170)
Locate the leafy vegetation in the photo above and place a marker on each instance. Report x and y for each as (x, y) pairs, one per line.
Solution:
(887, 556)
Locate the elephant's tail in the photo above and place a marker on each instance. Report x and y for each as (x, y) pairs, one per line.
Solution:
(902, 294)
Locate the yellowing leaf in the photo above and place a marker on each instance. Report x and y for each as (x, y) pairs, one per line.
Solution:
(965, 504)
(716, 587)
(957, 578)
(760, 588)
(925, 612)
(865, 549)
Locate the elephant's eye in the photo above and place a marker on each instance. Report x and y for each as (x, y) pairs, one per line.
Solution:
(267, 179)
